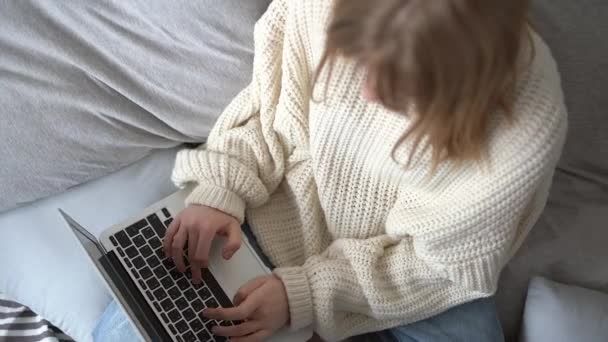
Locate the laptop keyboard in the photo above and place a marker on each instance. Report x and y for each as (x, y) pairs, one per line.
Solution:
(176, 300)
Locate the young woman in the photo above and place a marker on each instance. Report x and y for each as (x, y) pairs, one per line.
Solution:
(390, 156)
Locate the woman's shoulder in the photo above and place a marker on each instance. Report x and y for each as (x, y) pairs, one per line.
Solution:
(540, 120)
(539, 97)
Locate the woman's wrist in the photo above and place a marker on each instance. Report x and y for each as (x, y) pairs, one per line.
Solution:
(218, 198)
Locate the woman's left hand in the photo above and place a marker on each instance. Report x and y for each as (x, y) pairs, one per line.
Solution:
(262, 306)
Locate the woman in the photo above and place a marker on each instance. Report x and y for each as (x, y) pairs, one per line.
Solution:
(391, 156)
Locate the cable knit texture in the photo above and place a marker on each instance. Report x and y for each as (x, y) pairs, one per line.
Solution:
(361, 242)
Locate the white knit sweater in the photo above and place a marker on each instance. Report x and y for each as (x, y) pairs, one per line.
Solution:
(360, 242)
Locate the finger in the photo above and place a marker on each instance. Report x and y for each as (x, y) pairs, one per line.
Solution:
(233, 242)
(245, 290)
(177, 248)
(236, 313)
(242, 329)
(169, 234)
(205, 239)
(259, 336)
(195, 265)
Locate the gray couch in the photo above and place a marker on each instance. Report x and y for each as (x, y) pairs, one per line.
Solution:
(570, 242)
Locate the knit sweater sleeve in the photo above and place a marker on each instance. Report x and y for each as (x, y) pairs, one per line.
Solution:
(437, 252)
(245, 155)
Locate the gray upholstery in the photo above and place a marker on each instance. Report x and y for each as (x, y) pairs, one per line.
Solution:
(570, 242)
(87, 87)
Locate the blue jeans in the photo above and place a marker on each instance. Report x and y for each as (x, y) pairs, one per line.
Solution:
(475, 321)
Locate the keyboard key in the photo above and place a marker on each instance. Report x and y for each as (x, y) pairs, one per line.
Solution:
(173, 330)
(209, 324)
(146, 251)
(160, 272)
(145, 272)
(198, 305)
(160, 294)
(166, 282)
(166, 213)
(131, 252)
(114, 242)
(168, 263)
(155, 243)
(147, 232)
(181, 326)
(152, 283)
(157, 307)
(183, 284)
(203, 336)
(121, 252)
(168, 222)
(149, 295)
(142, 284)
(157, 225)
(196, 325)
(175, 293)
(179, 339)
(220, 339)
(153, 261)
(175, 274)
(188, 314)
(160, 253)
(181, 303)
(138, 240)
(189, 337)
(135, 273)
(139, 262)
(133, 229)
(123, 239)
(204, 293)
(211, 303)
(128, 263)
(164, 317)
(190, 295)
(174, 315)
(167, 305)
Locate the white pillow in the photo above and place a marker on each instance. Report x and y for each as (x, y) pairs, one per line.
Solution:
(557, 312)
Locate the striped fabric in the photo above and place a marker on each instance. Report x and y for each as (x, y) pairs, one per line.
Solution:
(20, 324)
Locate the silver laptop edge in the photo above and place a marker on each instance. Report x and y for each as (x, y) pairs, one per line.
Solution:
(96, 251)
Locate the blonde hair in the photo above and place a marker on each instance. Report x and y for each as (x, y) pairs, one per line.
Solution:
(456, 61)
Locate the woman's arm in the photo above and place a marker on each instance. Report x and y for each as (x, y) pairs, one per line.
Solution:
(244, 159)
(437, 253)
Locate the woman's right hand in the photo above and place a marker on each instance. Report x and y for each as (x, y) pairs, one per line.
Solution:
(198, 225)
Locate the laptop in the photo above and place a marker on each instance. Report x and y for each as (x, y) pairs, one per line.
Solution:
(162, 303)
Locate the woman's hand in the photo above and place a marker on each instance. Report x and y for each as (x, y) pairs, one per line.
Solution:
(198, 225)
(261, 304)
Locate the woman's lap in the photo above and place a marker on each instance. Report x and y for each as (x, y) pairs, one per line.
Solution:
(474, 321)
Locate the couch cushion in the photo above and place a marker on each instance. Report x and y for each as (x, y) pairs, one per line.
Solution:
(88, 87)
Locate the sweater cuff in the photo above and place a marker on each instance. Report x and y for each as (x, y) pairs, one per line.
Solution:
(298, 295)
(219, 198)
